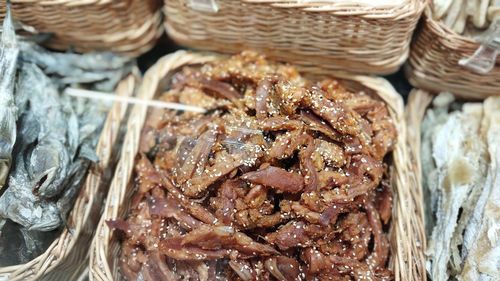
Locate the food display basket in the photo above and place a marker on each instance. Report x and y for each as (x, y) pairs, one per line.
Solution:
(317, 36)
(66, 258)
(129, 27)
(433, 63)
(406, 231)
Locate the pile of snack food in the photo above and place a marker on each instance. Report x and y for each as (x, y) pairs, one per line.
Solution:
(282, 178)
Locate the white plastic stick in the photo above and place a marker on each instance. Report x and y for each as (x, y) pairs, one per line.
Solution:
(110, 97)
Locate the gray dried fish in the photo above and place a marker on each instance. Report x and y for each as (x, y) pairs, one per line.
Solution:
(481, 247)
(434, 120)
(19, 203)
(8, 59)
(465, 241)
(47, 146)
(103, 70)
(55, 145)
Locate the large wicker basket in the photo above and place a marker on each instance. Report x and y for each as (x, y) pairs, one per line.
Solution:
(433, 64)
(129, 27)
(67, 256)
(406, 232)
(315, 35)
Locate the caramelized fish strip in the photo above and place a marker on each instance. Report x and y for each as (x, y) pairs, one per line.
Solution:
(317, 124)
(262, 97)
(277, 178)
(171, 208)
(285, 145)
(384, 139)
(147, 175)
(193, 208)
(215, 238)
(252, 218)
(173, 248)
(256, 196)
(219, 89)
(384, 202)
(318, 262)
(224, 202)
(278, 123)
(198, 185)
(292, 234)
(365, 174)
(197, 157)
(308, 169)
(381, 245)
(283, 268)
(342, 119)
(244, 270)
(156, 269)
(303, 212)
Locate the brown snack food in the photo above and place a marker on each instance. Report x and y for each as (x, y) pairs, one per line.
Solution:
(292, 187)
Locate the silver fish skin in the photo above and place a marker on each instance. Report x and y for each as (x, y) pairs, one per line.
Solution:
(57, 141)
(18, 203)
(43, 154)
(8, 59)
(103, 70)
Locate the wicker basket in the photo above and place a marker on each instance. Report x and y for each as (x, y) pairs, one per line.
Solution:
(66, 257)
(406, 232)
(129, 27)
(433, 63)
(361, 39)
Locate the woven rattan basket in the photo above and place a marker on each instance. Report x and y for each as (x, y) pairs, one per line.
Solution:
(433, 63)
(406, 229)
(318, 37)
(66, 257)
(129, 27)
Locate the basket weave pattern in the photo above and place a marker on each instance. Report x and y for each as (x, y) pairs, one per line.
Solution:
(406, 233)
(67, 256)
(433, 63)
(318, 37)
(129, 27)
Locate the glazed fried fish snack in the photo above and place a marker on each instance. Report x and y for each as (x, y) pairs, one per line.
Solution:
(281, 179)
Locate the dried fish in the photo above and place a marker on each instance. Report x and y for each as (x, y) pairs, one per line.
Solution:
(481, 239)
(48, 141)
(103, 70)
(8, 59)
(56, 139)
(463, 188)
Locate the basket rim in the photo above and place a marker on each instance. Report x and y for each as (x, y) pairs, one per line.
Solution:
(60, 248)
(446, 35)
(407, 254)
(69, 3)
(405, 9)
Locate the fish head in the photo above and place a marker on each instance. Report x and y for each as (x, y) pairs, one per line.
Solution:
(47, 171)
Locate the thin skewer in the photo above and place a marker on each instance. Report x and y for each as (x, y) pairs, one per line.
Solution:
(110, 97)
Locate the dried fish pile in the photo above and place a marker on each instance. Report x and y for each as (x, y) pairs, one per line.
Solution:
(55, 144)
(468, 17)
(281, 179)
(8, 61)
(461, 157)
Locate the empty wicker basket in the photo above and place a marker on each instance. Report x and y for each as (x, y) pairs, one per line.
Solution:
(406, 232)
(433, 63)
(66, 257)
(128, 27)
(315, 35)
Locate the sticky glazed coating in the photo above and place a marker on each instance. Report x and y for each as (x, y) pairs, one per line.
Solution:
(281, 179)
